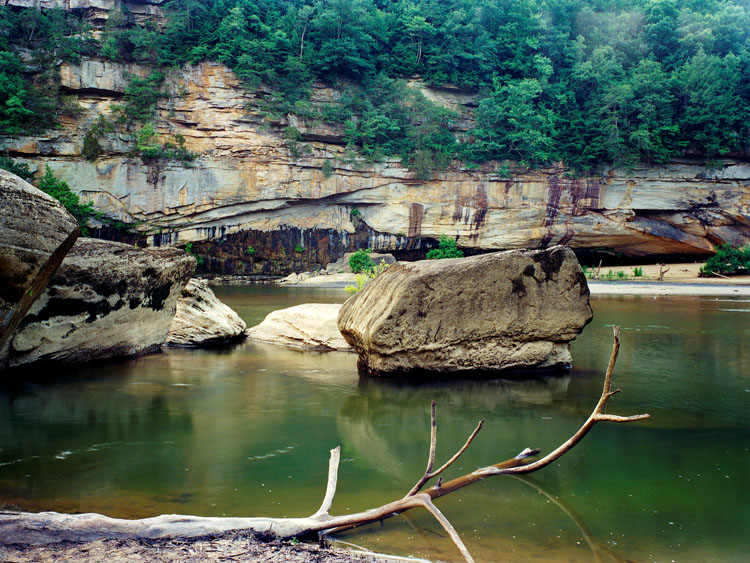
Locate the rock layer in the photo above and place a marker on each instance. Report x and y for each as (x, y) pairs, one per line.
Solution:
(107, 299)
(36, 233)
(514, 310)
(311, 325)
(202, 320)
(249, 179)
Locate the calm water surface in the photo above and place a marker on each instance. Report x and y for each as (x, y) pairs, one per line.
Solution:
(246, 431)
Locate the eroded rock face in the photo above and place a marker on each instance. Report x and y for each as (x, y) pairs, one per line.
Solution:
(515, 311)
(106, 300)
(202, 320)
(248, 184)
(36, 233)
(311, 325)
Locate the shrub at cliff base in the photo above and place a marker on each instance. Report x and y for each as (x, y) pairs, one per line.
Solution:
(60, 190)
(728, 260)
(446, 249)
(361, 261)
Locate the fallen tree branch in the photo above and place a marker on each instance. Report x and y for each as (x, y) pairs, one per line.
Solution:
(47, 527)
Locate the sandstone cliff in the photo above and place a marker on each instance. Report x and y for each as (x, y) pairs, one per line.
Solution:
(251, 187)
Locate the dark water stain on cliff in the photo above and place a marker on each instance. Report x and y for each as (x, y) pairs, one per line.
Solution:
(416, 211)
(583, 194)
(464, 205)
(278, 252)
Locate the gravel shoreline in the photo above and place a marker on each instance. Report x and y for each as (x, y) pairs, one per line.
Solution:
(230, 547)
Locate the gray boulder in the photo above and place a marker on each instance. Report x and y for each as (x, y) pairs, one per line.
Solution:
(510, 311)
(36, 233)
(311, 325)
(106, 300)
(202, 320)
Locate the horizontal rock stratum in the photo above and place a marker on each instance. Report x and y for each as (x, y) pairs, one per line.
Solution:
(508, 311)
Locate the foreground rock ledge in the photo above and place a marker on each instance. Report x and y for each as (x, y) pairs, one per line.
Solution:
(509, 311)
(36, 233)
(106, 300)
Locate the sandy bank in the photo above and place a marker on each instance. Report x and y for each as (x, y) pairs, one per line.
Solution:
(681, 279)
(667, 288)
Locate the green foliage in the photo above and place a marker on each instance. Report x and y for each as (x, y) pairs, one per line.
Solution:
(361, 280)
(91, 147)
(360, 261)
(149, 147)
(189, 249)
(504, 172)
(33, 42)
(141, 95)
(60, 190)
(327, 168)
(299, 248)
(250, 250)
(20, 169)
(446, 249)
(728, 260)
(587, 83)
(621, 275)
(637, 272)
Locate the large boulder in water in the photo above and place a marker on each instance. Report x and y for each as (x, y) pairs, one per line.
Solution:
(511, 311)
(202, 320)
(106, 300)
(36, 233)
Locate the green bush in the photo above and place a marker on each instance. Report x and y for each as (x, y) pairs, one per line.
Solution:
(91, 147)
(299, 248)
(189, 249)
(361, 261)
(149, 148)
(728, 260)
(637, 272)
(141, 95)
(250, 250)
(60, 190)
(20, 169)
(446, 249)
(327, 168)
(361, 280)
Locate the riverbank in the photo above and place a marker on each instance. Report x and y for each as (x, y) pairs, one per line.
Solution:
(679, 279)
(233, 547)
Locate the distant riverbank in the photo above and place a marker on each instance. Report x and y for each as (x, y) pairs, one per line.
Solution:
(679, 279)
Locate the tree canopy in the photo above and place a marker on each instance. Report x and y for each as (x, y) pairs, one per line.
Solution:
(584, 82)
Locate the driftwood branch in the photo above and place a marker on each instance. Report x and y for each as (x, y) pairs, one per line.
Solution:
(49, 527)
(333, 477)
(662, 271)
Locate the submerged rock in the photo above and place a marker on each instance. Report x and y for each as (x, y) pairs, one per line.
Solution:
(107, 299)
(311, 325)
(202, 320)
(515, 310)
(36, 233)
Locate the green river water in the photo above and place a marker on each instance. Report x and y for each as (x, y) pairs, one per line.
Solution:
(246, 431)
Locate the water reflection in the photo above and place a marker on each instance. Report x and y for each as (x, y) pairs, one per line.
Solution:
(246, 430)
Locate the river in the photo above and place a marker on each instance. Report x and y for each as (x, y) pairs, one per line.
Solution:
(246, 431)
